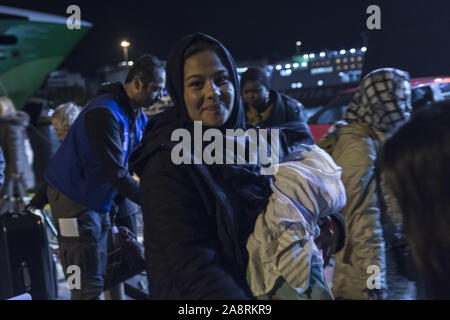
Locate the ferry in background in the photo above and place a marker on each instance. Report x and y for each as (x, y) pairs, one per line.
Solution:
(32, 44)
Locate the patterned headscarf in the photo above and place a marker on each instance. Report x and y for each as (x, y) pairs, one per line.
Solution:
(383, 100)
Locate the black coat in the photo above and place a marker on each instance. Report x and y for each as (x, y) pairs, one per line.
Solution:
(2, 168)
(285, 109)
(197, 218)
(12, 141)
(195, 225)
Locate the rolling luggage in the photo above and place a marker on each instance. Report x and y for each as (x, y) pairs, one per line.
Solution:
(27, 264)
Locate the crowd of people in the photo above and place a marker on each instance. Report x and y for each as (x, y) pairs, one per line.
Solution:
(371, 196)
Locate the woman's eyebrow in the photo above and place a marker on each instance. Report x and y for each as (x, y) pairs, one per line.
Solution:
(194, 76)
(222, 71)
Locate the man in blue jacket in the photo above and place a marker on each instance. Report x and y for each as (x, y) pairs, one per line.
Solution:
(91, 168)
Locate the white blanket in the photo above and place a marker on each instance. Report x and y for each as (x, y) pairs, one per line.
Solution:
(282, 243)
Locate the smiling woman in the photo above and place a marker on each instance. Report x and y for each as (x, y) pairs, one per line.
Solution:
(208, 91)
(197, 217)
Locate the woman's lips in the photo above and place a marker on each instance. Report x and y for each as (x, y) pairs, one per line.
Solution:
(213, 108)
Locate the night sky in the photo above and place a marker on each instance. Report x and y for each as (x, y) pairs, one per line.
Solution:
(250, 29)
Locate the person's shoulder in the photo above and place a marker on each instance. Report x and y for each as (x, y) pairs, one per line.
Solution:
(358, 130)
(103, 101)
(291, 102)
(159, 162)
(355, 143)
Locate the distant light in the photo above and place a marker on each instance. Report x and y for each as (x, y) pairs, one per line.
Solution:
(278, 67)
(341, 74)
(352, 50)
(242, 70)
(322, 54)
(125, 44)
(130, 63)
(124, 63)
(165, 92)
(270, 67)
(285, 73)
(363, 49)
(293, 85)
(298, 43)
(295, 65)
(299, 84)
(305, 56)
(287, 66)
(312, 55)
(304, 64)
(437, 80)
(343, 51)
(50, 112)
(320, 83)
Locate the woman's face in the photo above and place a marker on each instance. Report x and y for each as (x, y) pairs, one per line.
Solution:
(255, 95)
(208, 90)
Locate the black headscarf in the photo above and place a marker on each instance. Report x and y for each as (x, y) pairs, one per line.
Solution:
(161, 126)
(242, 192)
(175, 81)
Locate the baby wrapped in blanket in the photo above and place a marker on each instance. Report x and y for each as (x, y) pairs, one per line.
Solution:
(284, 260)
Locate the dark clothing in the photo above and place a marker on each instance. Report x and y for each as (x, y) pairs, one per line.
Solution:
(40, 198)
(12, 141)
(95, 153)
(106, 137)
(88, 251)
(93, 159)
(2, 168)
(285, 109)
(196, 217)
(42, 138)
(123, 213)
(195, 223)
(286, 116)
(292, 136)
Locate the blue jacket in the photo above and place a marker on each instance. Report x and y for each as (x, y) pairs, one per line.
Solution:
(76, 171)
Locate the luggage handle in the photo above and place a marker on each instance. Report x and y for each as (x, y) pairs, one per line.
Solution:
(10, 202)
(24, 272)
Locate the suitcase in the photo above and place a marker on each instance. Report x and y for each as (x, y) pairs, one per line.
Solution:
(27, 264)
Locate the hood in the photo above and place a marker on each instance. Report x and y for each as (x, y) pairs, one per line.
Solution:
(19, 118)
(175, 80)
(157, 134)
(383, 100)
(161, 126)
(322, 192)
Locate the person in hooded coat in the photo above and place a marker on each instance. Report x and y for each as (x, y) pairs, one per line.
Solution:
(197, 218)
(380, 106)
(13, 126)
(267, 108)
